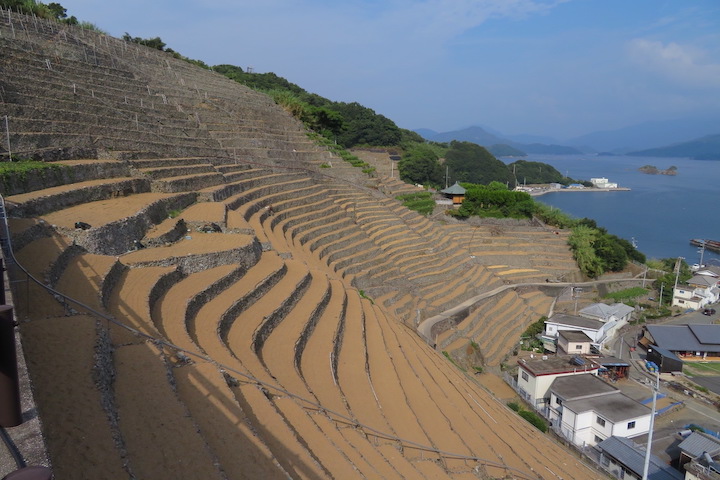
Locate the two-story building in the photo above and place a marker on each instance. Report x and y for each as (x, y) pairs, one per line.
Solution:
(699, 291)
(586, 410)
(562, 321)
(536, 374)
(600, 322)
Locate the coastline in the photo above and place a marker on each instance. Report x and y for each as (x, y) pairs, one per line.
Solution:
(536, 192)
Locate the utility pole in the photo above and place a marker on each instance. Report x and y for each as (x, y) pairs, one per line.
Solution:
(677, 270)
(652, 424)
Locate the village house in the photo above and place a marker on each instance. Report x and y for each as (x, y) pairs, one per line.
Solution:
(536, 374)
(573, 342)
(600, 322)
(699, 456)
(561, 321)
(700, 290)
(586, 410)
(623, 458)
(616, 312)
(695, 341)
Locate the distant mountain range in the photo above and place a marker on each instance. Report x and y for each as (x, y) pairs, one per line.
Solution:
(694, 137)
(647, 135)
(704, 148)
(492, 142)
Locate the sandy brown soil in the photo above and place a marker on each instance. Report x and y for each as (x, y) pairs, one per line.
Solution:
(387, 378)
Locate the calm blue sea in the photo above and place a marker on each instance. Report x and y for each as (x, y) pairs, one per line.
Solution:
(662, 213)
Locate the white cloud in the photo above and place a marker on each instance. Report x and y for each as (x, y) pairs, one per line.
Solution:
(683, 64)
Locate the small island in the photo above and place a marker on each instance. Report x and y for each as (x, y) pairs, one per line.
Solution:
(653, 170)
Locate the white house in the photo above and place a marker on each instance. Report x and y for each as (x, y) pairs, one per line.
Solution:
(535, 375)
(700, 290)
(598, 321)
(586, 411)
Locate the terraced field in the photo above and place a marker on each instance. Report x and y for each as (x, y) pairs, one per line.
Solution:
(257, 312)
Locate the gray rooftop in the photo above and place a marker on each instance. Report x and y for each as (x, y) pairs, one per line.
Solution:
(575, 387)
(698, 338)
(615, 407)
(575, 321)
(697, 443)
(574, 336)
(604, 311)
(632, 456)
(702, 281)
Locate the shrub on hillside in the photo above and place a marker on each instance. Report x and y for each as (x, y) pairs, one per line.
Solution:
(535, 419)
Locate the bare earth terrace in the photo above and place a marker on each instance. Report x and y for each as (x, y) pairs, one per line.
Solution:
(271, 315)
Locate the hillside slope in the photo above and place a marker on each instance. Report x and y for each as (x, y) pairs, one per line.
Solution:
(254, 292)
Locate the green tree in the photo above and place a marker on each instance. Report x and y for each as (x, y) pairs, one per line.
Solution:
(495, 201)
(613, 255)
(420, 165)
(155, 42)
(57, 10)
(582, 241)
(471, 163)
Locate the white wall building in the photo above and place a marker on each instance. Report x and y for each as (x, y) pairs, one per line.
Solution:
(602, 182)
(599, 321)
(586, 411)
(699, 291)
(535, 375)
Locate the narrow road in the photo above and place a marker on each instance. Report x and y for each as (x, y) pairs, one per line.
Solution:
(424, 329)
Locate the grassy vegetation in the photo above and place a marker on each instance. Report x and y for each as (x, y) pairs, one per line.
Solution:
(340, 152)
(627, 294)
(421, 202)
(19, 171)
(452, 360)
(705, 368)
(533, 418)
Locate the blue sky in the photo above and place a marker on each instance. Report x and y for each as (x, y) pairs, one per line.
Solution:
(546, 67)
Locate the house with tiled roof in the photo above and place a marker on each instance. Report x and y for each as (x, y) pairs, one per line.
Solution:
(455, 192)
(700, 341)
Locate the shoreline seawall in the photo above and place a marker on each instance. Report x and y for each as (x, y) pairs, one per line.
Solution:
(543, 191)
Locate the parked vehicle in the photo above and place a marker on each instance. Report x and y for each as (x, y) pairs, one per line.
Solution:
(708, 311)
